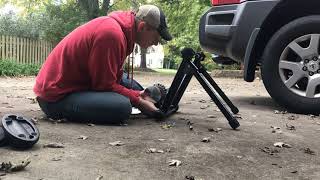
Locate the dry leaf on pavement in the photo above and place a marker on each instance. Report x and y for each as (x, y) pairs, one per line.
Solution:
(214, 130)
(83, 137)
(99, 177)
(292, 117)
(269, 151)
(53, 145)
(290, 127)
(202, 101)
(281, 144)
(116, 143)
(174, 162)
(309, 151)
(204, 107)
(10, 167)
(211, 116)
(206, 140)
(280, 112)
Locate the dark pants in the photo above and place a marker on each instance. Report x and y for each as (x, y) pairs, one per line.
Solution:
(90, 106)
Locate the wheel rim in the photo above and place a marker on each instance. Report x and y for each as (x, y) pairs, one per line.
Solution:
(299, 66)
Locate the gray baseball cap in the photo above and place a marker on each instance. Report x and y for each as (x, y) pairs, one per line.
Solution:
(154, 16)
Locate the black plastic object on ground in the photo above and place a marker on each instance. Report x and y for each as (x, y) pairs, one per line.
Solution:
(19, 131)
(3, 140)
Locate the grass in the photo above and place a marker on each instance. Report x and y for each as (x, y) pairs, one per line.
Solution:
(166, 71)
(12, 68)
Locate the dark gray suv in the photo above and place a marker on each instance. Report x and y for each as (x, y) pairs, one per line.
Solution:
(280, 36)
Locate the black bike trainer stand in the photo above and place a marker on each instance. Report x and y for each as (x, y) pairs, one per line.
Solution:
(187, 69)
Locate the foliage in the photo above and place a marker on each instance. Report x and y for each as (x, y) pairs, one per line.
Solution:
(62, 20)
(11, 24)
(183, 19)
(52, 20)
(12, 68)
(94, 8)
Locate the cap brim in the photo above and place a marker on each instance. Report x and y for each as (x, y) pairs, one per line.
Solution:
(164, 33)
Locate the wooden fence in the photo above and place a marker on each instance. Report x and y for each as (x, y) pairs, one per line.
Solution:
(24, 50)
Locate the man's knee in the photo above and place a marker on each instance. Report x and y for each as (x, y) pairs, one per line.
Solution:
(124, 108)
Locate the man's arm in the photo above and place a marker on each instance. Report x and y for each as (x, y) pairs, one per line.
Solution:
(107, 54)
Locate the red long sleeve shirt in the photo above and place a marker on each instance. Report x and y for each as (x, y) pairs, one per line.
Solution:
(90, 58)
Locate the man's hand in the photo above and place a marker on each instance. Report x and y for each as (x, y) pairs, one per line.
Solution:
(144, 95)
(146, 106)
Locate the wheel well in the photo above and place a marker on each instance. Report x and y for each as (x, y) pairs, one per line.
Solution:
(285, 12)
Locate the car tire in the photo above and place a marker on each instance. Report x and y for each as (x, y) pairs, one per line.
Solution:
(270, 66)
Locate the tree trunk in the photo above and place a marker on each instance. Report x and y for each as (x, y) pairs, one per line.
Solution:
(143, 63)
(105, 6)
(91, 7)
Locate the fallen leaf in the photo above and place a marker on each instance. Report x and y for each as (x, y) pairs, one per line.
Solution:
(294, 172)
(280, 112)
(312, 116)
(239, 157)
(189, 123)
(290, 127)
(276, 129)
(202, 101)
(116, 143)
(32, 99)
(34, 120)
(151, 150)
(91, 125)
(174, 163)
(237, 116)
(190, 177)
(214, 130)
(212, 116)
(99, 177)
(204, 106)
(292, 117)
(56, 121)
(160, 151)
(206, 140)
(154, 150)
(168, 125)
(53, 145)
(56, 159)
(270, 151)
(281, 144)
(309, 151)
(10, 167)
(190, 127)
(83, 137)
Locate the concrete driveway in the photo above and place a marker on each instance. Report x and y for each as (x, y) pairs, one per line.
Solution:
(247, 153)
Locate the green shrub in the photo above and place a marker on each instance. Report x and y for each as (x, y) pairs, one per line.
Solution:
(12, 68)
